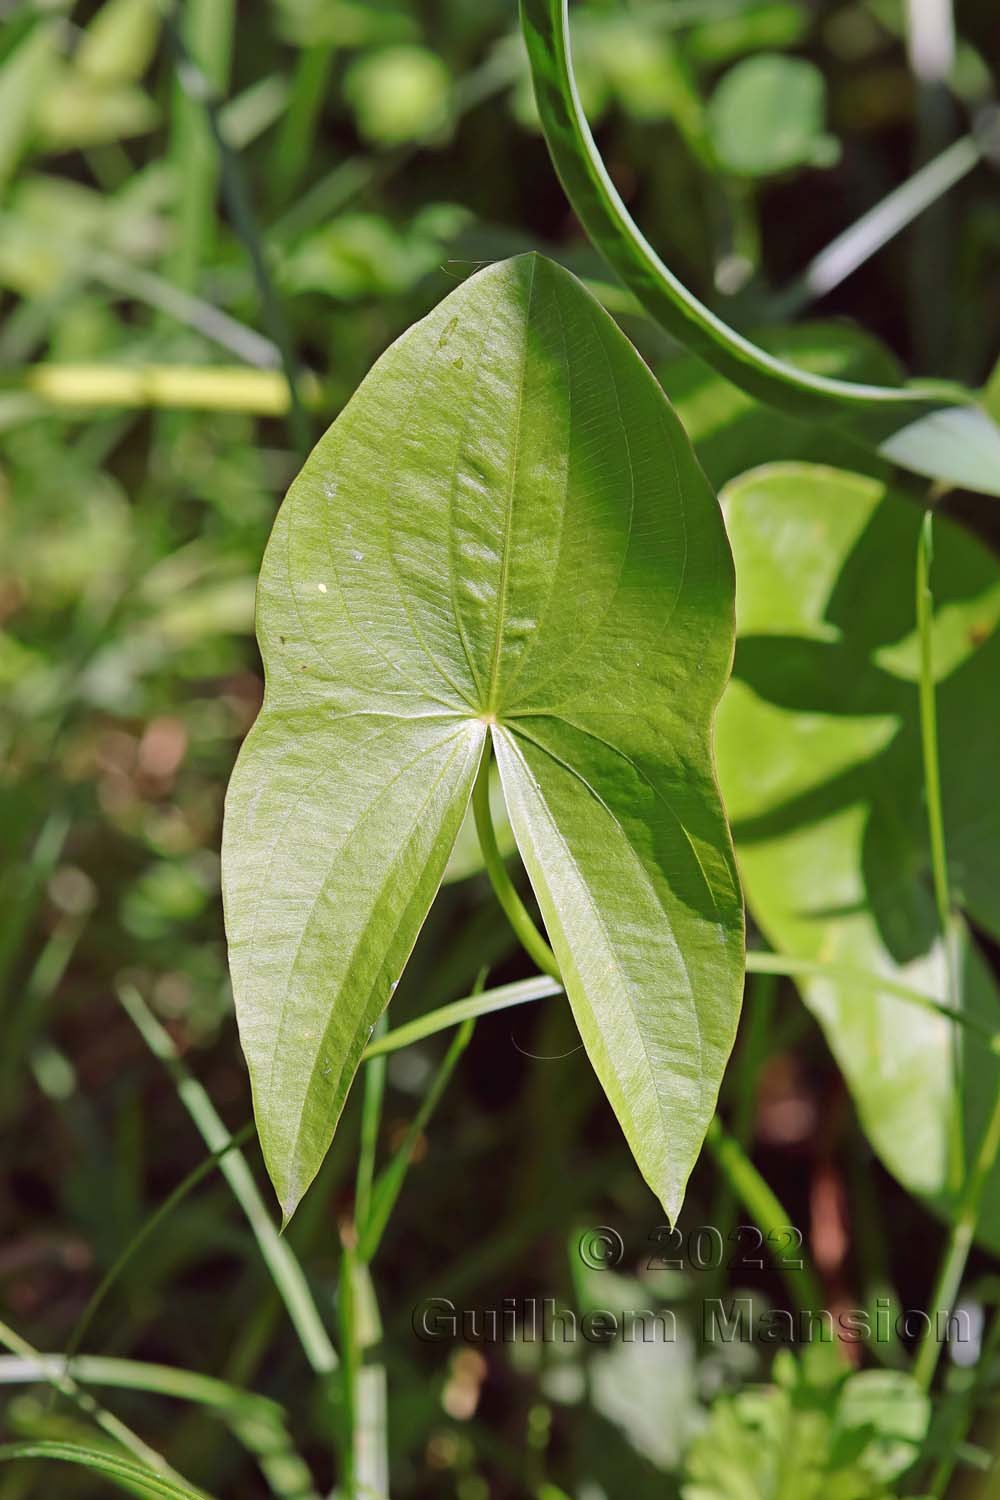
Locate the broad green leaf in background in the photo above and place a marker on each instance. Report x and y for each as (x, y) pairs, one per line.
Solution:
(767, 115)
(25, 73)
(873, 414)
(846, 1438)
(399, 94)
(820, 762)
(506, 535)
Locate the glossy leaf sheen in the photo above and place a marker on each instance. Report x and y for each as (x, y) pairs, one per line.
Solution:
(505, 533)
(820, 762)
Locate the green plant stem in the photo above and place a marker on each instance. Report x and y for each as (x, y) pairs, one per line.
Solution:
(541, 986)
(298, 128)
(766, 1210)
(371, 1118)
(237, 196)
(257, 1422)
(952, 1268)
(54, 1373)
(935, 821)
(180, 1192)
(760, 1004)
(207, 30)
(390, 1181)
(928, 724)
(130, 1477)
(521, 992)
(515, 910)
(278, 1255)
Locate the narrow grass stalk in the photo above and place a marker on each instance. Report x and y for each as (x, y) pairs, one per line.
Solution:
(365, 1460)
(935, 822)
(55, 1374)
(759, 1004)
(278, 1255)
(766, 1209)
(542, 986)
(371, 1119)
(24, 896)
(952, 1268)
(128, 1476)
(515, 910)
(156, 1218)
(206, 27)
(390, 1182)
(867, 235)
(255, 1421)
(236, 193)
(298, 128)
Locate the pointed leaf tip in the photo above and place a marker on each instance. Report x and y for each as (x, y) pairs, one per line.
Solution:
(505, 528)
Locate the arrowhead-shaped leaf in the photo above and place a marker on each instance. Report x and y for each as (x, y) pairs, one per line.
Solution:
(505, 533)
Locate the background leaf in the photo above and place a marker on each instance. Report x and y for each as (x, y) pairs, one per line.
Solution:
(820, 761)
(767, 115)
(505, 528)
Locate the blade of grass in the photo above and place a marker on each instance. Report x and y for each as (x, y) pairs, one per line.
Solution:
(112, 1426)
(259, 1423)
(364, 1453)
(298, 129)
(41, 984)
(391, 1179)
(126, 1474)
(935, 821)
(521, 992)
(949, 1277)
(874, 229)
(766, 1210)
(759, 1010)
(878, 984)
(207, 29)
(371, 1118)
(27, 893)
(541, 987)
(162, 1212)
(237, 197)
(279, 1258)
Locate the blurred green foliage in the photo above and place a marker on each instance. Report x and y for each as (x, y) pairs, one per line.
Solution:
(383, 149)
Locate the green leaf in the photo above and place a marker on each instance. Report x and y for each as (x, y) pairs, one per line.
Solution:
(804, 1438)
(506, 533)
(960, 447)
(25, 75)
(124, 1472)
(820, 761)
(872, 413)
(399, 94)
(767, 114)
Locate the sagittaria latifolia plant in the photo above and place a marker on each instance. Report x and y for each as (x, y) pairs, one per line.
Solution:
(505, 548)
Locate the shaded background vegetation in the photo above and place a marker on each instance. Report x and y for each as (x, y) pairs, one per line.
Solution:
(353, 161)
